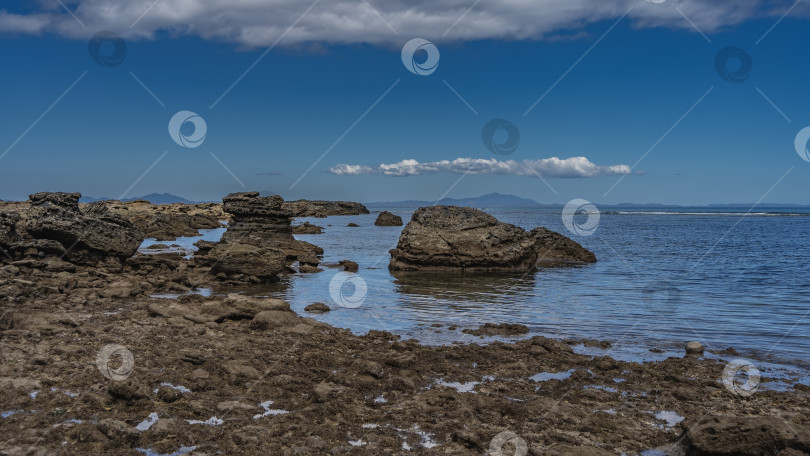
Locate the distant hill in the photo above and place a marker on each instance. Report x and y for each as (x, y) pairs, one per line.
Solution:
(490, 200)
(154, 198)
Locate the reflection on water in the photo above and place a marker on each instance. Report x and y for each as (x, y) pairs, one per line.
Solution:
(462, 291)
(184, 244)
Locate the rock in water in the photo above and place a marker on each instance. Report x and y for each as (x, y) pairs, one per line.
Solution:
(87, 236)
(694, 348)
(460, 238)
(259, 242)
(257, 220)
(448, 237)
(307, 228)
(554, 249)
(388, 219)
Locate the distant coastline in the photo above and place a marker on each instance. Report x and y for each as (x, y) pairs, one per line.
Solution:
(491, 200)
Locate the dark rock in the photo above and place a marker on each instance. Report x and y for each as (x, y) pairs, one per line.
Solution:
(240, 261)
(694, 348)
(388, 219)
(350, 266)
(304, 268)
(270, 319)
(317, 307)
(118, 431)
(304, 208)
(307, 228)
(8, 229)
(327, 390)
(502, 329)
(352, 225)
(87, 236)
(259, 242)
(745, 435)
(460, 238)
(127, 389)
(554, 249)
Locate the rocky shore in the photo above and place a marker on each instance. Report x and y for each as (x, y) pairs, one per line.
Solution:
(91, 363)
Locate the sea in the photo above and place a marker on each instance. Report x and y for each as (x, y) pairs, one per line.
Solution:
(728, 277)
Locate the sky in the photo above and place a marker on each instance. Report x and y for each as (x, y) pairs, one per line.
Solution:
(675, 102)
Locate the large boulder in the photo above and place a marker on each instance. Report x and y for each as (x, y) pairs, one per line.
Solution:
(247, 262)
(466, 239)
(388, 219)
(258, 244)
(448, 237)
(257, 220)
(554, 249)
(87, 236)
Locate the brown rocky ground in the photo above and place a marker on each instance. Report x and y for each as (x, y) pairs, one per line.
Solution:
(164, 222)
(342, 394)
(90, 363)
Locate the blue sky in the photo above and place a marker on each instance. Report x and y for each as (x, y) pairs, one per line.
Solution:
(303, 97)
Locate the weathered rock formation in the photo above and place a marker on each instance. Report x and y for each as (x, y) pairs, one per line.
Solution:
(53, 225)
(304, 208)
(554, 249)
(259, 242)
(388, 219)
(457, 238)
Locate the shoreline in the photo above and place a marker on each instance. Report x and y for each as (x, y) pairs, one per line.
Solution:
(329, 388)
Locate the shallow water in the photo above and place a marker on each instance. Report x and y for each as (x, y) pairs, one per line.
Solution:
(663, 278)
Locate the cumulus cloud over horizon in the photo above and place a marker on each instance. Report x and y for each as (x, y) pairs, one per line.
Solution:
(574, 167)
(254, 23)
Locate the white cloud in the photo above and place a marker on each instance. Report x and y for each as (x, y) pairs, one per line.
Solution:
(262, 22)
(546, 167)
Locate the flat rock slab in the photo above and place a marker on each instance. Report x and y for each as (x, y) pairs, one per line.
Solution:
(235, 307)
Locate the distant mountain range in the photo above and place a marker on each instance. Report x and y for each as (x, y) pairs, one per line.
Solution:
(512, 201)
(154, 198)
(490, 200)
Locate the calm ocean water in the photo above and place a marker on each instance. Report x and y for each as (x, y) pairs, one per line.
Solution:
(663, 278)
